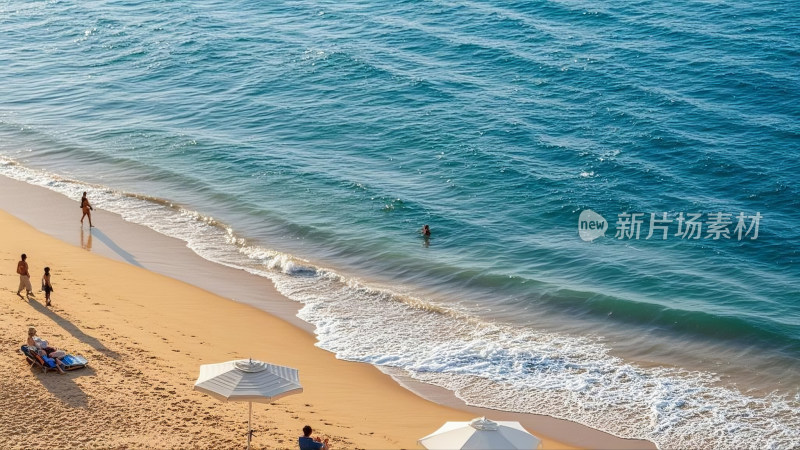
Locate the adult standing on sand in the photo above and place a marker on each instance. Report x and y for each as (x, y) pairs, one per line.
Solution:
(87, 209)
(24, 276)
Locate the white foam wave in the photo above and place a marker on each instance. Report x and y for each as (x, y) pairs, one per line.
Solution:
(512, 368)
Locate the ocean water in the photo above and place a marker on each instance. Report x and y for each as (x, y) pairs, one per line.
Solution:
(308, 142)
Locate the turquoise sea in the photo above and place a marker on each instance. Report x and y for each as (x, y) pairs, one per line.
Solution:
(308, 142)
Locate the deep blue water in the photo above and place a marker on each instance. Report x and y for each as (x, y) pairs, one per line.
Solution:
(309, 141)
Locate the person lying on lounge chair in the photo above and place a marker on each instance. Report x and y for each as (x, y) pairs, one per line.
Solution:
(40, 345)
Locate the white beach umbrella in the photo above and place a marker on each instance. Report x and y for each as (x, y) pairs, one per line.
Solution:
(247, 381)
(482, 434)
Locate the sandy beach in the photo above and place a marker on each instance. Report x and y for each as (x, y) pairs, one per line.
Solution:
(578, 216)
(147, 314)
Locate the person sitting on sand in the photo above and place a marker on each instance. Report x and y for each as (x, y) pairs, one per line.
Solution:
(46, 286)
(87, 209)
(308, 443)
(41, 346)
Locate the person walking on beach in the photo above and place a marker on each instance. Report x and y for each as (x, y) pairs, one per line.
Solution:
(24, 276)
(308, 443)
(87, 209)
(46, 286)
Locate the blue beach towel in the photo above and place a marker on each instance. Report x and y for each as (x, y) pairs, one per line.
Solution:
(72, 362)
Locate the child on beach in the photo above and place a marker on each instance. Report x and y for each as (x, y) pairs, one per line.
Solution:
(46, 286)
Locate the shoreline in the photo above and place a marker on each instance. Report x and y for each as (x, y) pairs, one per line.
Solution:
(135, 245)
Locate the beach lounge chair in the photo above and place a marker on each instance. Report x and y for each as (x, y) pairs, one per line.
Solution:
(35, 359)
(68, 362)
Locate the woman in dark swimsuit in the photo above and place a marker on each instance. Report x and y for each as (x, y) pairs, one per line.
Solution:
(87, 209)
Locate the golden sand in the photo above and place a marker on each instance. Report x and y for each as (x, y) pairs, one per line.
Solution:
(145, 336)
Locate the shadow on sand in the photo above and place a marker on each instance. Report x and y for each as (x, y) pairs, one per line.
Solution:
(64, 387)
(74, 330)
(94, 232)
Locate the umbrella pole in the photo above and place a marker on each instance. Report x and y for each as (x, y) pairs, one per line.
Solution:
(250, 425)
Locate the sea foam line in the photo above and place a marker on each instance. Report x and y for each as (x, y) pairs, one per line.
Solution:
(514, 368)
